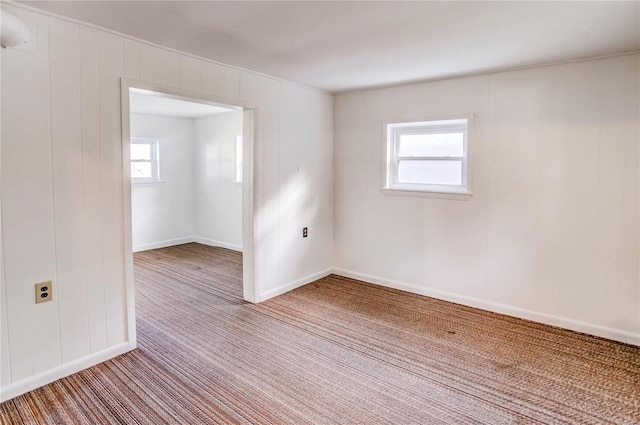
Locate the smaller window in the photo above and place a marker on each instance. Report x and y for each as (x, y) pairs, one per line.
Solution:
(145, 165)
(238, 159)
(428, 156)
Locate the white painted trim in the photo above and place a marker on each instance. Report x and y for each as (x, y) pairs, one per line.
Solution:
(194, 96)
(212, 242)
(295, 284)
(251, 122)
(393, 128)
(163, 244)
(17, 388)
(132, 335)
(187, 239)
(462, 196)
(547, 319)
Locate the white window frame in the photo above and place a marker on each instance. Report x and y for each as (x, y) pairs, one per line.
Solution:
(155, 160)
(394, 130)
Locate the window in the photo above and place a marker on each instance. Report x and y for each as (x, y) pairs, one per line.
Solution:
(428, 156)
(144, 160)
(238, 159)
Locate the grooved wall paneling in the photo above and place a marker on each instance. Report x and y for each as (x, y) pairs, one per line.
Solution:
(190, 74)
(173, 69)
(5, 363)
(111, 70)
(92, 196)
(66, 142)
(27, 206)
(131, 59)
(62, 187)
(153, 64)
(214, 79)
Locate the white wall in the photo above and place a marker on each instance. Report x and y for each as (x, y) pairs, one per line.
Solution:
(163, 213)
(62, 188)
(551, 231)
(218, 197)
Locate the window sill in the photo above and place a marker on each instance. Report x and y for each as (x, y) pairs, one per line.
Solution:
(456, 196)
(143, 184)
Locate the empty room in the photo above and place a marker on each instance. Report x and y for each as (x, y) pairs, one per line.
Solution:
(319, 212)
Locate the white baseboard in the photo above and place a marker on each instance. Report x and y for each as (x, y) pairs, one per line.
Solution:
(211, 242)
(293, 285)
(180, 241)
(18, 388)
(547, 319)
(162, 244)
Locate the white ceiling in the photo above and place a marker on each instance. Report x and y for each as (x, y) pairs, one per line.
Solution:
(141, 103)
(339, 45)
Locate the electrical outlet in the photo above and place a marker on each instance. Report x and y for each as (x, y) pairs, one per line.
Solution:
(44, 292)
(305, 232)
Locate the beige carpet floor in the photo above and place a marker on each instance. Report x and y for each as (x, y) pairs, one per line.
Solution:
(336, 351)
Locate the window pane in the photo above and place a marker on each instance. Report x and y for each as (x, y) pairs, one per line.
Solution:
(141, 170)
(140, 151)
(439, 144)
(430, 172)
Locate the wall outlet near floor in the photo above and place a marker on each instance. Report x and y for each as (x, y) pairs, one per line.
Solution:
(305, 232)
(44, 292)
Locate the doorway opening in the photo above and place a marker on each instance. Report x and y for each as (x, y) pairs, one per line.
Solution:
(187, 177)
(186, 173)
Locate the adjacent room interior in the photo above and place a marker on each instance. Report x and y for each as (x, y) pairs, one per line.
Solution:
(320, 212)
(186, 173)
(186, 204)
